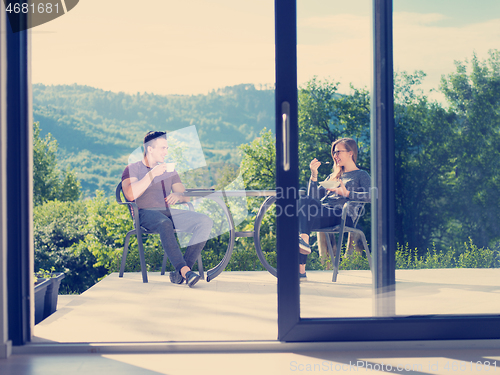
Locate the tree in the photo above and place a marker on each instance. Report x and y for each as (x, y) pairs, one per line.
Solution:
(258, 166)
(49, 183)
(473, 94)
(325, 116)
(448, 159)
(424, 134)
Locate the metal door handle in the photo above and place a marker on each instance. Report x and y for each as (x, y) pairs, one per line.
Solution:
(285, 131)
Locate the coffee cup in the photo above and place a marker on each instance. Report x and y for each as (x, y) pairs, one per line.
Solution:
(170, 167)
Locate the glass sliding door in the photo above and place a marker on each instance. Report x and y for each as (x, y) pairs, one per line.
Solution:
(447, 61)
(377, 301)
(334, 102)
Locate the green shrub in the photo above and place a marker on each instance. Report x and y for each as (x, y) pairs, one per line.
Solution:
(438, 259)
(243, 259)
(58, 228)
(105, 230)
(314, 261)
(405, 257)
(355, 261)
(474, 257)
(469, 257)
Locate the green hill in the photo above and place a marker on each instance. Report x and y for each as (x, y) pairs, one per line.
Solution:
(97, 130)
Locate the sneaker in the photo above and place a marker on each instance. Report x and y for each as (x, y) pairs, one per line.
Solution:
(192, 278)
(176, 278)
(304, 247)
(302, 276)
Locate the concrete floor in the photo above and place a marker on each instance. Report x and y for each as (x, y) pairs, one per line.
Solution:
(228, 326)
(314, 358)
(242, 305)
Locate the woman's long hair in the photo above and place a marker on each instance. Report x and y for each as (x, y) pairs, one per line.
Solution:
(350, 145)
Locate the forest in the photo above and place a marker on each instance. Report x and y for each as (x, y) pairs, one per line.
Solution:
(97, 130)
(446, 184)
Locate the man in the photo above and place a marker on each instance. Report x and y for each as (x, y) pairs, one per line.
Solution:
(155, 191)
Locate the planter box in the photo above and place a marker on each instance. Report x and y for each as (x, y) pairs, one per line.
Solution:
(52, 293)
(40, 294)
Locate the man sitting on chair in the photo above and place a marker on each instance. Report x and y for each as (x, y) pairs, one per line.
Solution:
(155, 190)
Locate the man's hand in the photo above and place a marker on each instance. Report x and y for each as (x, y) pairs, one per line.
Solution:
(158, 170)
(173, 198)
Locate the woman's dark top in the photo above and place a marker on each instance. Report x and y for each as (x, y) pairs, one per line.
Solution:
(358, 184)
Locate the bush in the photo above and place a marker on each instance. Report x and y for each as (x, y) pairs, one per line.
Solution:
(84, 239)
(105, 230)
(243, 259)
(355, 261)
(474, 257)
(469, 257)
(58, 228)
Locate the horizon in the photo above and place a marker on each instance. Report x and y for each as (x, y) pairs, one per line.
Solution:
(256, 86)
(134, 49)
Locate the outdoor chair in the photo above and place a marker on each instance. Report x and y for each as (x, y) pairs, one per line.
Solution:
(340, 230)
(139, 231)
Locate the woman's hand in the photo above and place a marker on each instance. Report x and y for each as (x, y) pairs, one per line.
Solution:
(341, 190)
(313, 166)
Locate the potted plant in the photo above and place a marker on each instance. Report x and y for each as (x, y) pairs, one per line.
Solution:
(41, 286)
(54, 278)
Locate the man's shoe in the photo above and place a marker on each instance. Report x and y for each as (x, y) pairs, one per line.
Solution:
(192, 278)
(304, 247)
(176, 277)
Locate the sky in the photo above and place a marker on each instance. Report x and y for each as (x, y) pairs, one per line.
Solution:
(196, 46)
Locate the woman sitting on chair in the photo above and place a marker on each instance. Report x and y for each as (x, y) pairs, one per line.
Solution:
(322, 207)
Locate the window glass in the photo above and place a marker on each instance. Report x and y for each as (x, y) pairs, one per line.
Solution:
(334, 77)
(447, 67)
(106, 73)
(446, 72)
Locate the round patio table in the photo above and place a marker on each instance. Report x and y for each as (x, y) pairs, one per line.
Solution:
(218, 197)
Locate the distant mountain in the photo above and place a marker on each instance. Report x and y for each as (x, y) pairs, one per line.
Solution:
(97, 130)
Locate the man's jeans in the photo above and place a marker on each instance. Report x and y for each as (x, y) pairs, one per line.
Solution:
(164, 223)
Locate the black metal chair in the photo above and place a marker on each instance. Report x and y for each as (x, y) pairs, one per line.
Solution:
(340, 230)
(139, 231)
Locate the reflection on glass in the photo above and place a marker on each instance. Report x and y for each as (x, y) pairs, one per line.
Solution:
(334, 103)
(446, 65)
(447, 153)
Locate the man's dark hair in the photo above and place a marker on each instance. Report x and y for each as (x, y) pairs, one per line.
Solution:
(151, 136)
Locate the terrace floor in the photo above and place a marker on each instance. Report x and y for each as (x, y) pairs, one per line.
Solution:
(228, 326)
(242, 305)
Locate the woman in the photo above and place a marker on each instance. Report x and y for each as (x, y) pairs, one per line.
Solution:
(322, 207)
